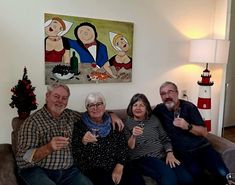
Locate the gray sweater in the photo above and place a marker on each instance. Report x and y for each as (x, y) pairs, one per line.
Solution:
(153, 142)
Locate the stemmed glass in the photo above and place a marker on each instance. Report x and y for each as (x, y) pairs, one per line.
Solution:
(177, 113)
(64, 132)
(231, 178)
(141, 124)
(95, 132)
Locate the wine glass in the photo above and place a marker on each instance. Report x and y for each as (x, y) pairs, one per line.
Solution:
(231, 178)
(141, 124)
(177, 113)
(64, 132)
(95, 132)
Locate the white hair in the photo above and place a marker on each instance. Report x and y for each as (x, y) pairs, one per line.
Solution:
(94, 97)
(51, 87)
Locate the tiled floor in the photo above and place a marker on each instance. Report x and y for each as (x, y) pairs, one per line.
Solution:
(229, 133)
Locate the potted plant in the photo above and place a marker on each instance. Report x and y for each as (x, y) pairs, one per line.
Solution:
(23, 97)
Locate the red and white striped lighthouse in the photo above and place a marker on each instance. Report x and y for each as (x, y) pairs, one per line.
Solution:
(204, 98)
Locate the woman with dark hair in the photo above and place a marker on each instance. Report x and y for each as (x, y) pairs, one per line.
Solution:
(150, 148)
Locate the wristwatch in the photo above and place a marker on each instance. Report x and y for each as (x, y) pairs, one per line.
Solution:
(190, 126)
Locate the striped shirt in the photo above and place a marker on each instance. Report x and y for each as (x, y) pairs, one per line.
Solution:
(38, 130)
(153, 142)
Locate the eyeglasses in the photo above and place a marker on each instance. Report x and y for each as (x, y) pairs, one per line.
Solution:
(97, 105)
(58, 97)
(170, 92)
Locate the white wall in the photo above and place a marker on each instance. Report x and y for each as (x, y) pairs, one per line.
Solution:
(162, 30)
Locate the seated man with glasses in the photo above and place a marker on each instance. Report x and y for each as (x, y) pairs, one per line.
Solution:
(185, 127)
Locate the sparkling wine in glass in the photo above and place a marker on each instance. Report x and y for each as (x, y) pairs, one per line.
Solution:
(177, 113)
(141, 124)
(64, 132)
(95, 132)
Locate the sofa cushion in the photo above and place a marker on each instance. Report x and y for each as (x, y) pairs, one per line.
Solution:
(226, 148)
(7, 165)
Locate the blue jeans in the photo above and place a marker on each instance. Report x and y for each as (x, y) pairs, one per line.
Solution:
(204, 158)
(41, 176)
(162, 173)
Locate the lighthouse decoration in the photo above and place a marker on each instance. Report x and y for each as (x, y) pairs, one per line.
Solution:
(204, 98)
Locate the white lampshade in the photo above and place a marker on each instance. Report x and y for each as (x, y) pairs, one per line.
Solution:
(209, 51)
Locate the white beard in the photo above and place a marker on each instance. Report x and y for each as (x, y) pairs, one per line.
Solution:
(170, 105)
(58, 109)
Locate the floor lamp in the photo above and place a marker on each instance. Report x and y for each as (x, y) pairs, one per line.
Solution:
(207, 51)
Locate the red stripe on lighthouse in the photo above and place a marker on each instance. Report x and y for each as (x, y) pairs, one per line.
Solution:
(204, 103)
(208, 125)
(205, 80)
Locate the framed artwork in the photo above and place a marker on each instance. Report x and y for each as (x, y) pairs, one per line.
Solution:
(82, 50)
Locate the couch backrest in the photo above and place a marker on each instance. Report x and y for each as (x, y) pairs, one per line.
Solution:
(121, 113)
(16, 123)
(7, 165)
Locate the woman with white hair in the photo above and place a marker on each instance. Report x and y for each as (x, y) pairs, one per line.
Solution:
(98, 149)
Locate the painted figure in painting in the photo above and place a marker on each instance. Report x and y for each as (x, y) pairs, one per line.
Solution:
(90, 50)
(82, 50)
(56, 46)
(121, 61)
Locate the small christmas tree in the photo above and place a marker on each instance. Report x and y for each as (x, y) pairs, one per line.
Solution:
(23, 97)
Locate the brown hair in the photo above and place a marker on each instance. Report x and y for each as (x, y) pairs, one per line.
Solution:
(144, 99)
(60, 21)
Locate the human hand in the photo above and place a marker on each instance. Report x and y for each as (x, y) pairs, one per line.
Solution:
(181, 123)
(117, 173)
(89, 138)
(137, 131)
(171, 160)
(58, 143)
(116, 121)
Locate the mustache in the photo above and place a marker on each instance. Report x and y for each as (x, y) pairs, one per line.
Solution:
(168, 99)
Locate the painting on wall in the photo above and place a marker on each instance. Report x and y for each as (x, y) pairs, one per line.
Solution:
(82, 50)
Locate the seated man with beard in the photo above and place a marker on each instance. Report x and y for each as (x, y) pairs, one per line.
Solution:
(188, 135)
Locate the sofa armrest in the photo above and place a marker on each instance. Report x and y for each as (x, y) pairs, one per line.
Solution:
(226, 148)
(7, 165)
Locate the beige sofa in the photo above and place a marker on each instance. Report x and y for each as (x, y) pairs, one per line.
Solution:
(8, 165)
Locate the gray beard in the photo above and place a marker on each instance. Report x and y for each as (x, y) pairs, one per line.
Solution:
(170, 105)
